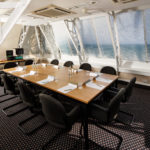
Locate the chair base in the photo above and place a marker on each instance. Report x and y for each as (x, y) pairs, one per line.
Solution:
(7, 98)
(11, 114)
(114, 134)
(35, 129)
(60, 133)
(57, 135)
(2, 95)
(125, 118)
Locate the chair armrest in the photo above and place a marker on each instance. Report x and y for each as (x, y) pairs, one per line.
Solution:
(111, 93)
(114, 89)
(98, 112)
(101, 108)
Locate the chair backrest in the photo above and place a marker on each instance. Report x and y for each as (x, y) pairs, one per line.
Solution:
(28, 62)
(26, 94)
(128, 89)
(10, 65)
(114, 105)
(68, 64)
(54, 111)
(1, 83)
(108, 70)
(8, 84)
(55, 62)
(86, 66)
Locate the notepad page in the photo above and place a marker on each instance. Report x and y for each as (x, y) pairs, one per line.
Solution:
(94, 85)
(103, 80)
(47, 80)
(69, 87)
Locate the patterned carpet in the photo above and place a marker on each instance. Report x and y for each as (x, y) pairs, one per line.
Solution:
(136, 136)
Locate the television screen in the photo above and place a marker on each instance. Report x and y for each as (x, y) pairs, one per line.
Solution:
(19, 51)
(9, 53)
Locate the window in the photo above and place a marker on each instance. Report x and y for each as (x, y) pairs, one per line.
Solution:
(147, 23)
(30, 43)
(63, 39)
(131, 36)
(104, 37)
(88, 38)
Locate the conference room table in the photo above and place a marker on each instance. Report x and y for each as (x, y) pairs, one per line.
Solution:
(79, 85)
(6, 61)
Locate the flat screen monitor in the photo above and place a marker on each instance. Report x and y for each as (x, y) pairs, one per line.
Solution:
(9, 53)
(19, 51)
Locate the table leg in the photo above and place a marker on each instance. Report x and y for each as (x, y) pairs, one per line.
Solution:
(86, 127)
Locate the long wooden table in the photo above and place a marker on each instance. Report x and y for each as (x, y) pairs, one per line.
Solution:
(6, 61)
(62, 78)
(82, 94)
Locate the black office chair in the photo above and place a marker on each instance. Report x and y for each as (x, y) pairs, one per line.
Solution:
(108, 70)
(106, 112)
(56, 114)
(2, 84)
(55, 62)
(127, 95)
(11, 89)
(10, 65)
(29, 97)
(86, 66)
(68, 64)
(28, 62)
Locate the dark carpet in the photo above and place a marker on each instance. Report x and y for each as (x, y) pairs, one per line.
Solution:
(135, 136)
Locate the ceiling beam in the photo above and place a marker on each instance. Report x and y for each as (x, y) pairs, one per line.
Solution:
(15, 15)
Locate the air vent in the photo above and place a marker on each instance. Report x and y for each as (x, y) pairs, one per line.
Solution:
(124, 1)
(53, 11)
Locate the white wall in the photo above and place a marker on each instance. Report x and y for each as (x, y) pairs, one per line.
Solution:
(10, 42)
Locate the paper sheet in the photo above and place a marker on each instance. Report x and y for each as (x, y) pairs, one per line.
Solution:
(55, 66)
(29, 74)
(94, 85)
(103, 80)
(93, 74)
(43, 65)
(68, 88)
(17, 70)
(47, 80)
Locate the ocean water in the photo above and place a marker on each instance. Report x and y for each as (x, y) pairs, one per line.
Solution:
(132, 52)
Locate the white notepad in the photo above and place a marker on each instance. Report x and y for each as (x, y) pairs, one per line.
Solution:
(69, 87)
(29, 74)
(55, 66)
(103, 80)
(47, 80)
(93, 74)
(17, 70)
(43, 65)
(94, 85)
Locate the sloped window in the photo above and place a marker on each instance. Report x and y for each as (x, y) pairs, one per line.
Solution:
(131, 36)
(30, 44)
(45, 45)
(147, 23)
(88, 38)
(62, 38)
(104, 37)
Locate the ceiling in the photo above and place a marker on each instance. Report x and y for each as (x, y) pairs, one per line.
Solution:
(79, 7)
